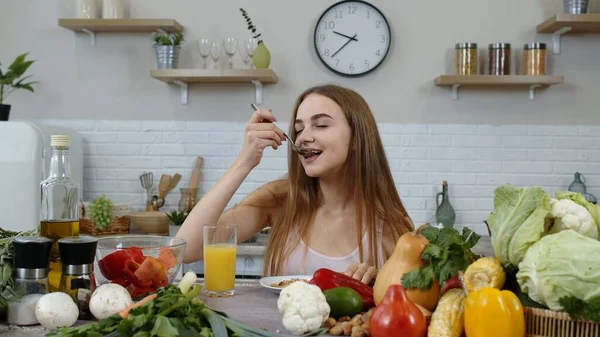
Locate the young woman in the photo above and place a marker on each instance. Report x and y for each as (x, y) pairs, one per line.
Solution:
(337, 208)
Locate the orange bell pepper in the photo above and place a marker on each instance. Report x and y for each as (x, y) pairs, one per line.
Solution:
(491, 312)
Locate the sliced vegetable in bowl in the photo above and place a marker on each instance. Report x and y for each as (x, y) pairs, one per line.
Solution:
(140, 263)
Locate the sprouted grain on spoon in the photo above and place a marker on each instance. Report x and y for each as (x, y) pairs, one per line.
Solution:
(299, 149)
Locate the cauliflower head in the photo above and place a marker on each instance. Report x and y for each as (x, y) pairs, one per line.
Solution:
(303, 306)
(567, 214)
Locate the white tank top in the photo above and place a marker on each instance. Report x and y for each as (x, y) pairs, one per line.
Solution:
(297, 264)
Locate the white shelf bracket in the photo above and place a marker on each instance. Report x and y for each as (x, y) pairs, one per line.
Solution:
(556, 36)
(184, 91)
(162, 31)
(91, 34)
(455, 91)
(532, 90)
(258, 91)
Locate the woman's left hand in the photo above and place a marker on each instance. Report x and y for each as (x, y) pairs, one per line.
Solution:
(362, 272)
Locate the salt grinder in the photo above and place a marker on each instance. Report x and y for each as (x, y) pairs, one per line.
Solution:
(30, 262)
(77, 255)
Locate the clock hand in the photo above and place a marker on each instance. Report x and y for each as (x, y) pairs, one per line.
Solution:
(346, 36)
(345, 44)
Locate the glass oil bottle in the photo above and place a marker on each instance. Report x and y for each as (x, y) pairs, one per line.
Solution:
(59, 216)
(77, 255)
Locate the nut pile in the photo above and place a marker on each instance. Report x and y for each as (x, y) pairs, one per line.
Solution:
(357, 326)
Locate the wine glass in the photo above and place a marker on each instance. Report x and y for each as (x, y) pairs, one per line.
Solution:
(204, 50)
(249, 48)
(230, 45)
(215, 52)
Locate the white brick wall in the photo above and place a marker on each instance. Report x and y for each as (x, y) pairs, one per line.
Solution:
(473, 158)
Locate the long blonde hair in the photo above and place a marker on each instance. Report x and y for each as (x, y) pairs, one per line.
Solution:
(369, 182)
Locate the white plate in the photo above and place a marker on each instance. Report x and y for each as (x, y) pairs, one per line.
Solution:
(266, 282)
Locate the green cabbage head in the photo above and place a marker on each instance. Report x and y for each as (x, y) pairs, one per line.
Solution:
(560, 265)
(517, 222)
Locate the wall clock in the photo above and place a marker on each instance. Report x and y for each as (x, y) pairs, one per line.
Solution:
(352, 38)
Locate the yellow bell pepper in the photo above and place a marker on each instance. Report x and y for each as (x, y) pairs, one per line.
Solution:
(490, 312)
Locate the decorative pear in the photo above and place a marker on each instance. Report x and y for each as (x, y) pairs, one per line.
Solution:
(406, 257)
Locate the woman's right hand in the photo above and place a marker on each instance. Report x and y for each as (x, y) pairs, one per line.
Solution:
(260, 133)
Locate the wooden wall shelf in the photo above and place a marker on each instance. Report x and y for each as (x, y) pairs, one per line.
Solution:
(561, 24)
(183, 77)
(533, 82)
(93, 26)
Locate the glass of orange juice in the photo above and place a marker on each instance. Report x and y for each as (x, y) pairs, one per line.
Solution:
(220, 242)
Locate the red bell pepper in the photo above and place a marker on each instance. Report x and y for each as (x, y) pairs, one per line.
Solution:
(327, 279)
(396, 315)
(122, 281)
(112, 265)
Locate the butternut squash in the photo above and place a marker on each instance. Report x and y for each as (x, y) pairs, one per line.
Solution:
(406, 257)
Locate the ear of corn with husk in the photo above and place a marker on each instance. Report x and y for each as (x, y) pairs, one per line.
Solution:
(485, 272)
(448, 318)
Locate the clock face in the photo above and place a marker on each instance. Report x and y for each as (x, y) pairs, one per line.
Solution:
(352, 38)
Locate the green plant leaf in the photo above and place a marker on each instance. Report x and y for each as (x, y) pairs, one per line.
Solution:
(18, 60)
(21, 68)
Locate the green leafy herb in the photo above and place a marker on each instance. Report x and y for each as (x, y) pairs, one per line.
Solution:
(447, 253)
(170, 314)
(7, 283)
(581, 310)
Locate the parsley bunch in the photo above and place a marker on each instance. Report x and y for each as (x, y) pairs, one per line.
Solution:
(580, 310)
(447, 253)
(170, 314)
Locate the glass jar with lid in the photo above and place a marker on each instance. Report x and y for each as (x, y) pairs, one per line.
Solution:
(189, 198)
(499, 59)
(466, 58)
(534, 59)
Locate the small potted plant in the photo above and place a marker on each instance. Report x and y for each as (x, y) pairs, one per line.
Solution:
(262, 56)
(177, 217)
(167, 47)
(13, 80)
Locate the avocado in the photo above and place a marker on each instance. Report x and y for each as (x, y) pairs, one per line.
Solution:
(343, 301)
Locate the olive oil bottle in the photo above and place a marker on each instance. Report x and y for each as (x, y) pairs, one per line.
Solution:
(59, 216)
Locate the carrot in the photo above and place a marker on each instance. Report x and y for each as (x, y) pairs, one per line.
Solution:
(125, 312)
(167, 258)
(151, 269)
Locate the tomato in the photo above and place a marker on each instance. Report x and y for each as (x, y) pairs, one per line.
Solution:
(451, 283)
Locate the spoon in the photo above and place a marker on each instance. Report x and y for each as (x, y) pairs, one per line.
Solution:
(299, 149)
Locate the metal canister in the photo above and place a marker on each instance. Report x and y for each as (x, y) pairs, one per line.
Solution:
(499, 59)
(167, 57)
(576, 6)
(466, 58)
(534, 59)
(77, 255)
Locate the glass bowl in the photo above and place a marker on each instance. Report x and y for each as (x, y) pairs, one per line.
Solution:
(140, 263)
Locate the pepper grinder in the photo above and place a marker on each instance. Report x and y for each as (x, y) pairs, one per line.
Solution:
(30, 262)
(77, 255)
